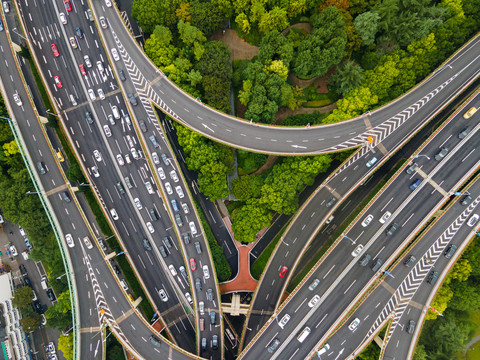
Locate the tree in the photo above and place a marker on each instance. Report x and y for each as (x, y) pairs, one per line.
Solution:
(194, 77)
(23, 297)
(445, 338)
(279, 68)
(163, 35)
(161, 52)
(207, 17)
(460, 272)
(59, 315)
(367, 26)
(74, 173)
(275, 46)
(11, 148)
(243, 23)
(420, 353)
(247, 187)
(65, 345)
(466, 296)
(146, 12)
(217, 93)
(440, 302)
(275, 19)
(31, 322)
(189, 33)
(183, 12)
(212, 180)
(348, 76)
(249, 220)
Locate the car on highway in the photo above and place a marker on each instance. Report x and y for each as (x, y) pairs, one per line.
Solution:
(155, 143)
(150, 227)
(466, 200)
(106, 128)
(101, 94)
(114, 214)
(69, 240)
(95, 171)
(97, 155)
(68, 6)
(412, 168)
(138, 204)
(189, 297)
(57, 81)
(127, 159)
(201, 307)
(392, 229)
(122, 75)
(465, 132)
(183, 272)
(284, 321)
(470, 113)
(155, 158)
(153, 339)
(432, 277)
(206, 273)
(450, 251)
(6, 7)
(100, 67)
(273, 345)
(162, 250)
(115, 55)
(172, 269)
(17, 99)
(410, 261)
(323, 350)
(174, 205)
(173, 176)
(193, 264)
(135, 153)
(55, 50)
(214, 342)
(415, 184)
(179, 191)
(168, 188)
(410, 327)
(367, 220)
(313, 301)
(79, 32)
(331, 202)
(357, 250)
(193, 228)
(385, 217)
(283, 271)
(146, 245)
(209, 294)
(82, 70)
(91, 94)
(87, 242)
(142, 125)
(353, 325)
(314, 284)
(198, 284)
(103, 22)
(185, 208)
(163, 295)
(63, 18)
(441, 154)
(86, 58)
(161, 173)
(120, 160)
(131, 97)
(198, 247)
(73, 42)
(371, 162)
(473, 220)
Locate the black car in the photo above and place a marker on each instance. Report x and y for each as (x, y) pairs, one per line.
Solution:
(51, 295)
(146, 245)
(122, 75)
(23, 269)
(88, 116)
(79, 32)
(142, 125)
(411, 327)
(117, 269)
(155, 341)
(27, 281)
(133, 101)
(37, 307)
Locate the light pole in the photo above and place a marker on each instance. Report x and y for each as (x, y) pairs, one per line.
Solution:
(18, 34)
(353, 241)
(32, 193)
(50, 113)
(418, 155)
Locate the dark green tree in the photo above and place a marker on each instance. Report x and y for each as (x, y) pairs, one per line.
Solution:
(206, 16)
(59, 315)
(31, 322)
(347, 77)
(23, 297)
(247, 187)
(367, 26)
(275, 46)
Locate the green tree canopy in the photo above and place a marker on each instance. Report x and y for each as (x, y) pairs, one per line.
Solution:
(367, 26)
(65, 345)
(23, 297)
(31, 322)
(60, 315)
(348, 76)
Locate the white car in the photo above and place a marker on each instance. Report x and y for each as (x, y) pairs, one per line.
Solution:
(169, 189)
(97, 155)
(69, 240)
(385, 217)
(86, 58)
(115, 55)
(127, 159)
(367, 220)
(114, 214)
(172, 270)
(150, 227)
(185, 208)
(106, 128)
(63, 18)
(135, 154)
(95, 171)
(206, 273)
(120, 160)
(156, 159)
(473, 220)
(13, 250)
(138, 204)
(313, 301)
(357, 250)
(101, 95)
(163, 295)
(108, 3)
(87, 242)
(193, 228)
(173, 175)
(188, 297)
(17, 99)
(179, 191)
(353, 325)
(161, 173)
(91, 94)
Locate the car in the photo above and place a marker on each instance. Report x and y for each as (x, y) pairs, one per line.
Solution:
(183, 272)
(213, 317)
(135, 154)
(127, 159)
(450, 251)
(353, 325)
(120, 160)
(189, 298)
(441, 154)
(179, 191)
(154, 141)
(150, 227)
(206, 273)
(97, 155)
(198, 247)
(115, 55)
(323, 350)
(314, 284)
(385, 217)
(149, 187)
(114, 214)
(412, 168)
(17, 99)
(103, 22)
(106, 128)
(95, 171)
(415, 184)
(86, 58)
(23, 269)
(466, 200)
(101, 94)
(273, 345)
(283, 271)
(57, 81)
(214, 342)
(193, 228)
(174, 205)
(111, 120)
(186, 238)
(91, 94)
(172, 270)
(411, 327)
(69, 240)
(392, 229)
(127, 119)
(367, 220)
(37, 307)
(142, 125)
(185, 208)
(165, 160)
(55, 50)
(473, 220)
(366, 259)
(209, 294)
(284, 321)
(100, 67)
(410, 261)
(161, 173)
(90, 15)
(198, 284)
(162, 251)
(6, 7)
(120, 188)
(155, 158)
(79, 32)
(201, 307)
(44, 319)
(173, 176)
(87, 242)
(432, 277)
(27, 243)
(138, 204)
(193, 264)
(82, 70)
(13, 250)
(331, 202)
(1, 26)
(63, 18)
(371, 162)
(131, 97)
(153, 339)
(68, 6)
(146, 245)
(121, 74)
(167, 242)
(27, 281)
(470, 112)
(163, 295)
(168, 188)
(73, 42)
(465, 132)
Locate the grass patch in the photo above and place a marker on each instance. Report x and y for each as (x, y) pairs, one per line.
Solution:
(306, 269)
(475, 318)
(317, 103)
(259, 265)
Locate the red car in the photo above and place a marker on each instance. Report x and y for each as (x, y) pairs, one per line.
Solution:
(283, 271)
(68, 6)
(55, 50)
(193, 265)
(57, 81)
(82, 69)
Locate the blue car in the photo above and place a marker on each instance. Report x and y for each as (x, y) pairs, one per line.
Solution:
(415, 184)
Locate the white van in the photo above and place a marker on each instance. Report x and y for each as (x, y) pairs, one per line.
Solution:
(124, 285)
(323, 350)
(43, 282)
(303, 335)
(72, 100)
(116, 113)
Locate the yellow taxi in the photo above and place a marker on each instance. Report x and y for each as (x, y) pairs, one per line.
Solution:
(60, 156)
(470, 112)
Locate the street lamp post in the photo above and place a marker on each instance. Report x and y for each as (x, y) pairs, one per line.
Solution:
(31, 193)
(418, 155)
(353, 241)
